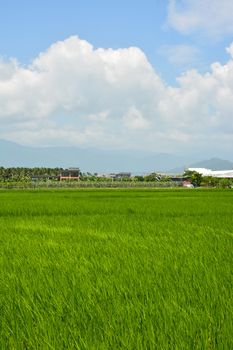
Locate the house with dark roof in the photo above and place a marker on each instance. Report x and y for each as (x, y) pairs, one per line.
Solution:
(70, 174)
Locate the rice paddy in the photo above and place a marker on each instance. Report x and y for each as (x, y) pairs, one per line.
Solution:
(116, 269)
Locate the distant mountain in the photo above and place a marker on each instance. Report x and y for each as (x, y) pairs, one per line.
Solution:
(213, 164)
(92, 160)
(100, 161)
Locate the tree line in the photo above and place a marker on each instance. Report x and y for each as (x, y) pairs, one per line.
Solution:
(45, 174)
(27, 174)
(198, 180)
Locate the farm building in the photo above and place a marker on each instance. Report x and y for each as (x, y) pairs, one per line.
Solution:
(70, 174)
(187, 184)
(116, 176)
(123, 175)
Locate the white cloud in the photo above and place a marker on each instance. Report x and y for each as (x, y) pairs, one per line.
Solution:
(180, 55)
(75, 94)
(134, 119)
(213, 18)
(230, 50)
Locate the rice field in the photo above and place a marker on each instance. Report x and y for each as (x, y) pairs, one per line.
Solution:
(116, 269)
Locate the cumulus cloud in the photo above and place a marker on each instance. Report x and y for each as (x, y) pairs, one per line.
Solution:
(76, 94)
(180, 55)
(213, 18)
(134, 119)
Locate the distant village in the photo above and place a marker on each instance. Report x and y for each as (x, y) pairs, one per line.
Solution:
(191, 178)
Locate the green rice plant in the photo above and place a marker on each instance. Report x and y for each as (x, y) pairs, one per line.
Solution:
(116, 269)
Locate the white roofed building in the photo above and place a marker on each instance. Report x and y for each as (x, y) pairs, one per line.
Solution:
(223, 174)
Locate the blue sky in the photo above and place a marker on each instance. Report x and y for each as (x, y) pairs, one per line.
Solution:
(29, 27)
(177, 37)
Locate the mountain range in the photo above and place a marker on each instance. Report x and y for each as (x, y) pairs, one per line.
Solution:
(102, 161)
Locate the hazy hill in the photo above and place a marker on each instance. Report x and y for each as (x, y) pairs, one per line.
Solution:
(213, 164)
(93, 160)
(96, 160)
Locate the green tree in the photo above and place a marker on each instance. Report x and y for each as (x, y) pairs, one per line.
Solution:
(138, 178)
(153, 177)
(224, 183)
(194, 177)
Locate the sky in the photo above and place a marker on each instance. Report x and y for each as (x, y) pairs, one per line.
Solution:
(150, 75)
